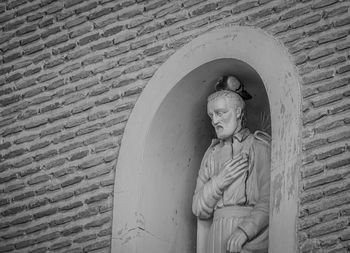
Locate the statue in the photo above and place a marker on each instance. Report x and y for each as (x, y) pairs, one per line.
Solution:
(233, 186)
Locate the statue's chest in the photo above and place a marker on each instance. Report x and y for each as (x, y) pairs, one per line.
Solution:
(225, 152)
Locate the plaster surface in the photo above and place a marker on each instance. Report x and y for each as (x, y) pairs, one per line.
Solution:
(158, 162)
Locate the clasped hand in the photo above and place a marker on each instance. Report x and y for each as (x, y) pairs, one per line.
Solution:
(231, 170)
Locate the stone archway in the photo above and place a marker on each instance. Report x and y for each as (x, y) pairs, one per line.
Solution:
(156, 167)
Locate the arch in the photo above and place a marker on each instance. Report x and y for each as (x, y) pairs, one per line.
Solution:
(137, 225)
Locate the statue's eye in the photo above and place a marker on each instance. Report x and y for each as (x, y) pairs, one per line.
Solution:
(220, 114)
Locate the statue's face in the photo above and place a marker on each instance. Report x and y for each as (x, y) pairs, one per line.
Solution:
(224, 116)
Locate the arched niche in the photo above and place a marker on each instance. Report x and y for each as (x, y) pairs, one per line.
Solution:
(168, 132)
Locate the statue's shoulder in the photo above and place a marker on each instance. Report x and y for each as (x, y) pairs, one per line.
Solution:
(262, 137)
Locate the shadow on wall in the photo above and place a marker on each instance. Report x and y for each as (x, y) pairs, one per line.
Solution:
(179, 135)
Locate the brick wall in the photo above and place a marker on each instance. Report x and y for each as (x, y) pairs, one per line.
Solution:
(72, 70)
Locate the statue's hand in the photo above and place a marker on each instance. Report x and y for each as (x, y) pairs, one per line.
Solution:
(231, 170)
(236, 241)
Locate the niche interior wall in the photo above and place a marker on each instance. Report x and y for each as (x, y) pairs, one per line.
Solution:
(71, 72)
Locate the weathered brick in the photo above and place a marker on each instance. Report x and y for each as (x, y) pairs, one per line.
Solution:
(52, 130)
(57, 40)
(35, 16)
(113, 30)
(123, 37)
(86, 8)
(93, 60)
(75, 22)
(25, 244)
(72, 230)
(91, 211)
(338, 164)
(71, 206)
(50, 31)
(13, 25)
(26, 29)
(331, 62)
(21, 220)
(86, 189)
(63, 49)
(12, 235)
(29, 171)
(13, 210)
(97, 245)
(82, 108)
(88, 39)
(15, 153)
(328, 227)
(70, 3)
(79, 155)
(97, 223)
(97, 198)
(85, 238)
(48, 237)
(46, 155)
(332, 37)
(60, 245)
(343, 69)
(61, 221)
(41, 57)
(339, 136)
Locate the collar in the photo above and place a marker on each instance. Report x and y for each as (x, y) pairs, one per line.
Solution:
(240, 136)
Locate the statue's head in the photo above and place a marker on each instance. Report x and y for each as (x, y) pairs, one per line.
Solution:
(226, 110)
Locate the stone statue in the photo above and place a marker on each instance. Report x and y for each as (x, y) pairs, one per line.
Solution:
(233, 186)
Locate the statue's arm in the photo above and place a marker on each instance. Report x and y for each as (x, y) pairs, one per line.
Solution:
(207, 192)
(259, 217)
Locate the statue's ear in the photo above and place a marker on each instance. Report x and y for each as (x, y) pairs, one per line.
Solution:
(239, 112)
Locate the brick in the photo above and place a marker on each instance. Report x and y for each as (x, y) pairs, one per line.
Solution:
(48, 237)
(127, 59)
(26, 29)
(29, 171)
(75, 22)
(138, 22)
(339, 137)
(111, 75)
(343, 46)
(14, 234)
(5, 145)
(332, 37)
(61, 221)
(57, 40)
(318, 77)
(99, 13)
(64, 137)
(105, 232)
(343, 69)
(89, 39)
(123, 37)
(97, 245)
(323, 3)
(37, 203)
(32, 71)
(86, 189)
(342, 22)
(63, 49)
(97, 198)
(39, 179)
(59, 116)
(244, 7)
(71, 206)
(35, 17)
(329, 126)
(82, 108)
(46, 77)
(340, 109)
(85, 238)
(15, 153)
(10, 46)
(13, 25)
(60, 245)
(321, 53)
(5, 70)
(45, 155)
(21, 220)
(295, 12)
(72, 230)
(46, 22)
(338, 164)
(70, 3)
(8, 17)
(93, 60)
(12, 57)
(74, 250)
(54, 9)
(331, 62)
(327, 228)
(24, 244)
(39, 145)
(8, 178)
(13, 210)
(86, 8)
(79, 155)
(86, 213)
(41, 57)
(96, 138)
(50, 31)
(10, 131)
(130, 14)
(306, 21)
(28, 9)
(327, 100)
(24, 196)
(97, 223)
(117, 51)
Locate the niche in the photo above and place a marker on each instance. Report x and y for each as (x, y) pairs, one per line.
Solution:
(168, 132)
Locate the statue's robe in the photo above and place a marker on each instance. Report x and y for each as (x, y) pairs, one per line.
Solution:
(242, 205)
